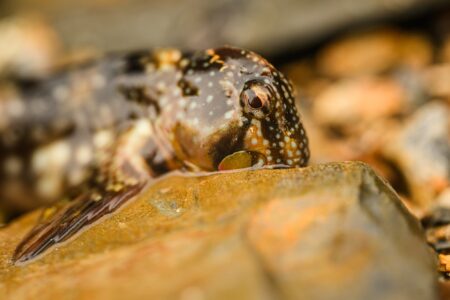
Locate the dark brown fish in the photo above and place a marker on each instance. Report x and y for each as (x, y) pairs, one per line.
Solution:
(98, 134)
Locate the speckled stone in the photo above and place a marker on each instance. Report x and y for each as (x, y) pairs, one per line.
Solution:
(334, 231)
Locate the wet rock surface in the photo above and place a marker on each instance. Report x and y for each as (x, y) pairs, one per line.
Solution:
(334, 231)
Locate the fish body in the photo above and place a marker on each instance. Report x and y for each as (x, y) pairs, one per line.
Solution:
(98, 134)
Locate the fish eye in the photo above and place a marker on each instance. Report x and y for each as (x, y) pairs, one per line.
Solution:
(255, 98)
(255, 102)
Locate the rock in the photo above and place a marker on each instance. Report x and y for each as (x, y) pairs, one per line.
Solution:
(421, 150)
(437, 80)
(334, 231)
(416, 51)
(28, 47)
(445, 52)
(373, 52)
(326, 148)
(436, 222)
(363, 144)
(365, 99)
(444, 287)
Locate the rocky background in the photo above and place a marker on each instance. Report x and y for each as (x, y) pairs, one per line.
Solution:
(373, 84)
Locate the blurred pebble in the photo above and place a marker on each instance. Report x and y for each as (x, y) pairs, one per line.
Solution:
(325, 148)
(445, 53)
(444, 199)
(437, 229)
(437, 78)
(421, 150)
(415, 51)
(363, 144)
(28, 46)
(413, 83)
(362, 99)
(373, 52)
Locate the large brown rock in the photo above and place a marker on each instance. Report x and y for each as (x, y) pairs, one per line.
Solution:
(334, 231)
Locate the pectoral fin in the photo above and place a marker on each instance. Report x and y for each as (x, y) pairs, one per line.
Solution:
(70, 219)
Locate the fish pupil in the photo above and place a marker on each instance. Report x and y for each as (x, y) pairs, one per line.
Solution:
(255, 102)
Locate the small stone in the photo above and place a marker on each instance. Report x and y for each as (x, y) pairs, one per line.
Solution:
(421, 150)
(374, 51)
(415, 51)
(436, 222)
(28, 46)
(360, 99)
(445, 52)
(326, 148)
(437, 79)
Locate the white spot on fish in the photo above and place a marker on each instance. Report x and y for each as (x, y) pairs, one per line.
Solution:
(228, 114)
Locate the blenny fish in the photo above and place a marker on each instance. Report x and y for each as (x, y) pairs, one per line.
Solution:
(97, 134)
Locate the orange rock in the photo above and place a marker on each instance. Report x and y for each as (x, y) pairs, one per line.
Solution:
(373, 52)
(437, 79)
(322, 232)
(444, 262)
(359, 100)
(445, 52)
(362, 53)
(28, 46)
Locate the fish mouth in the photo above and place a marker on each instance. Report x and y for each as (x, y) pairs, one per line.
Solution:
(242, 159)
(245, 159)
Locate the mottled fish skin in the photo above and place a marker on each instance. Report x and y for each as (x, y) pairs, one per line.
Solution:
(97, 135)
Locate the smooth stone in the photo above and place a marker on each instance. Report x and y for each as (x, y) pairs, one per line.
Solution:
(332, 231)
